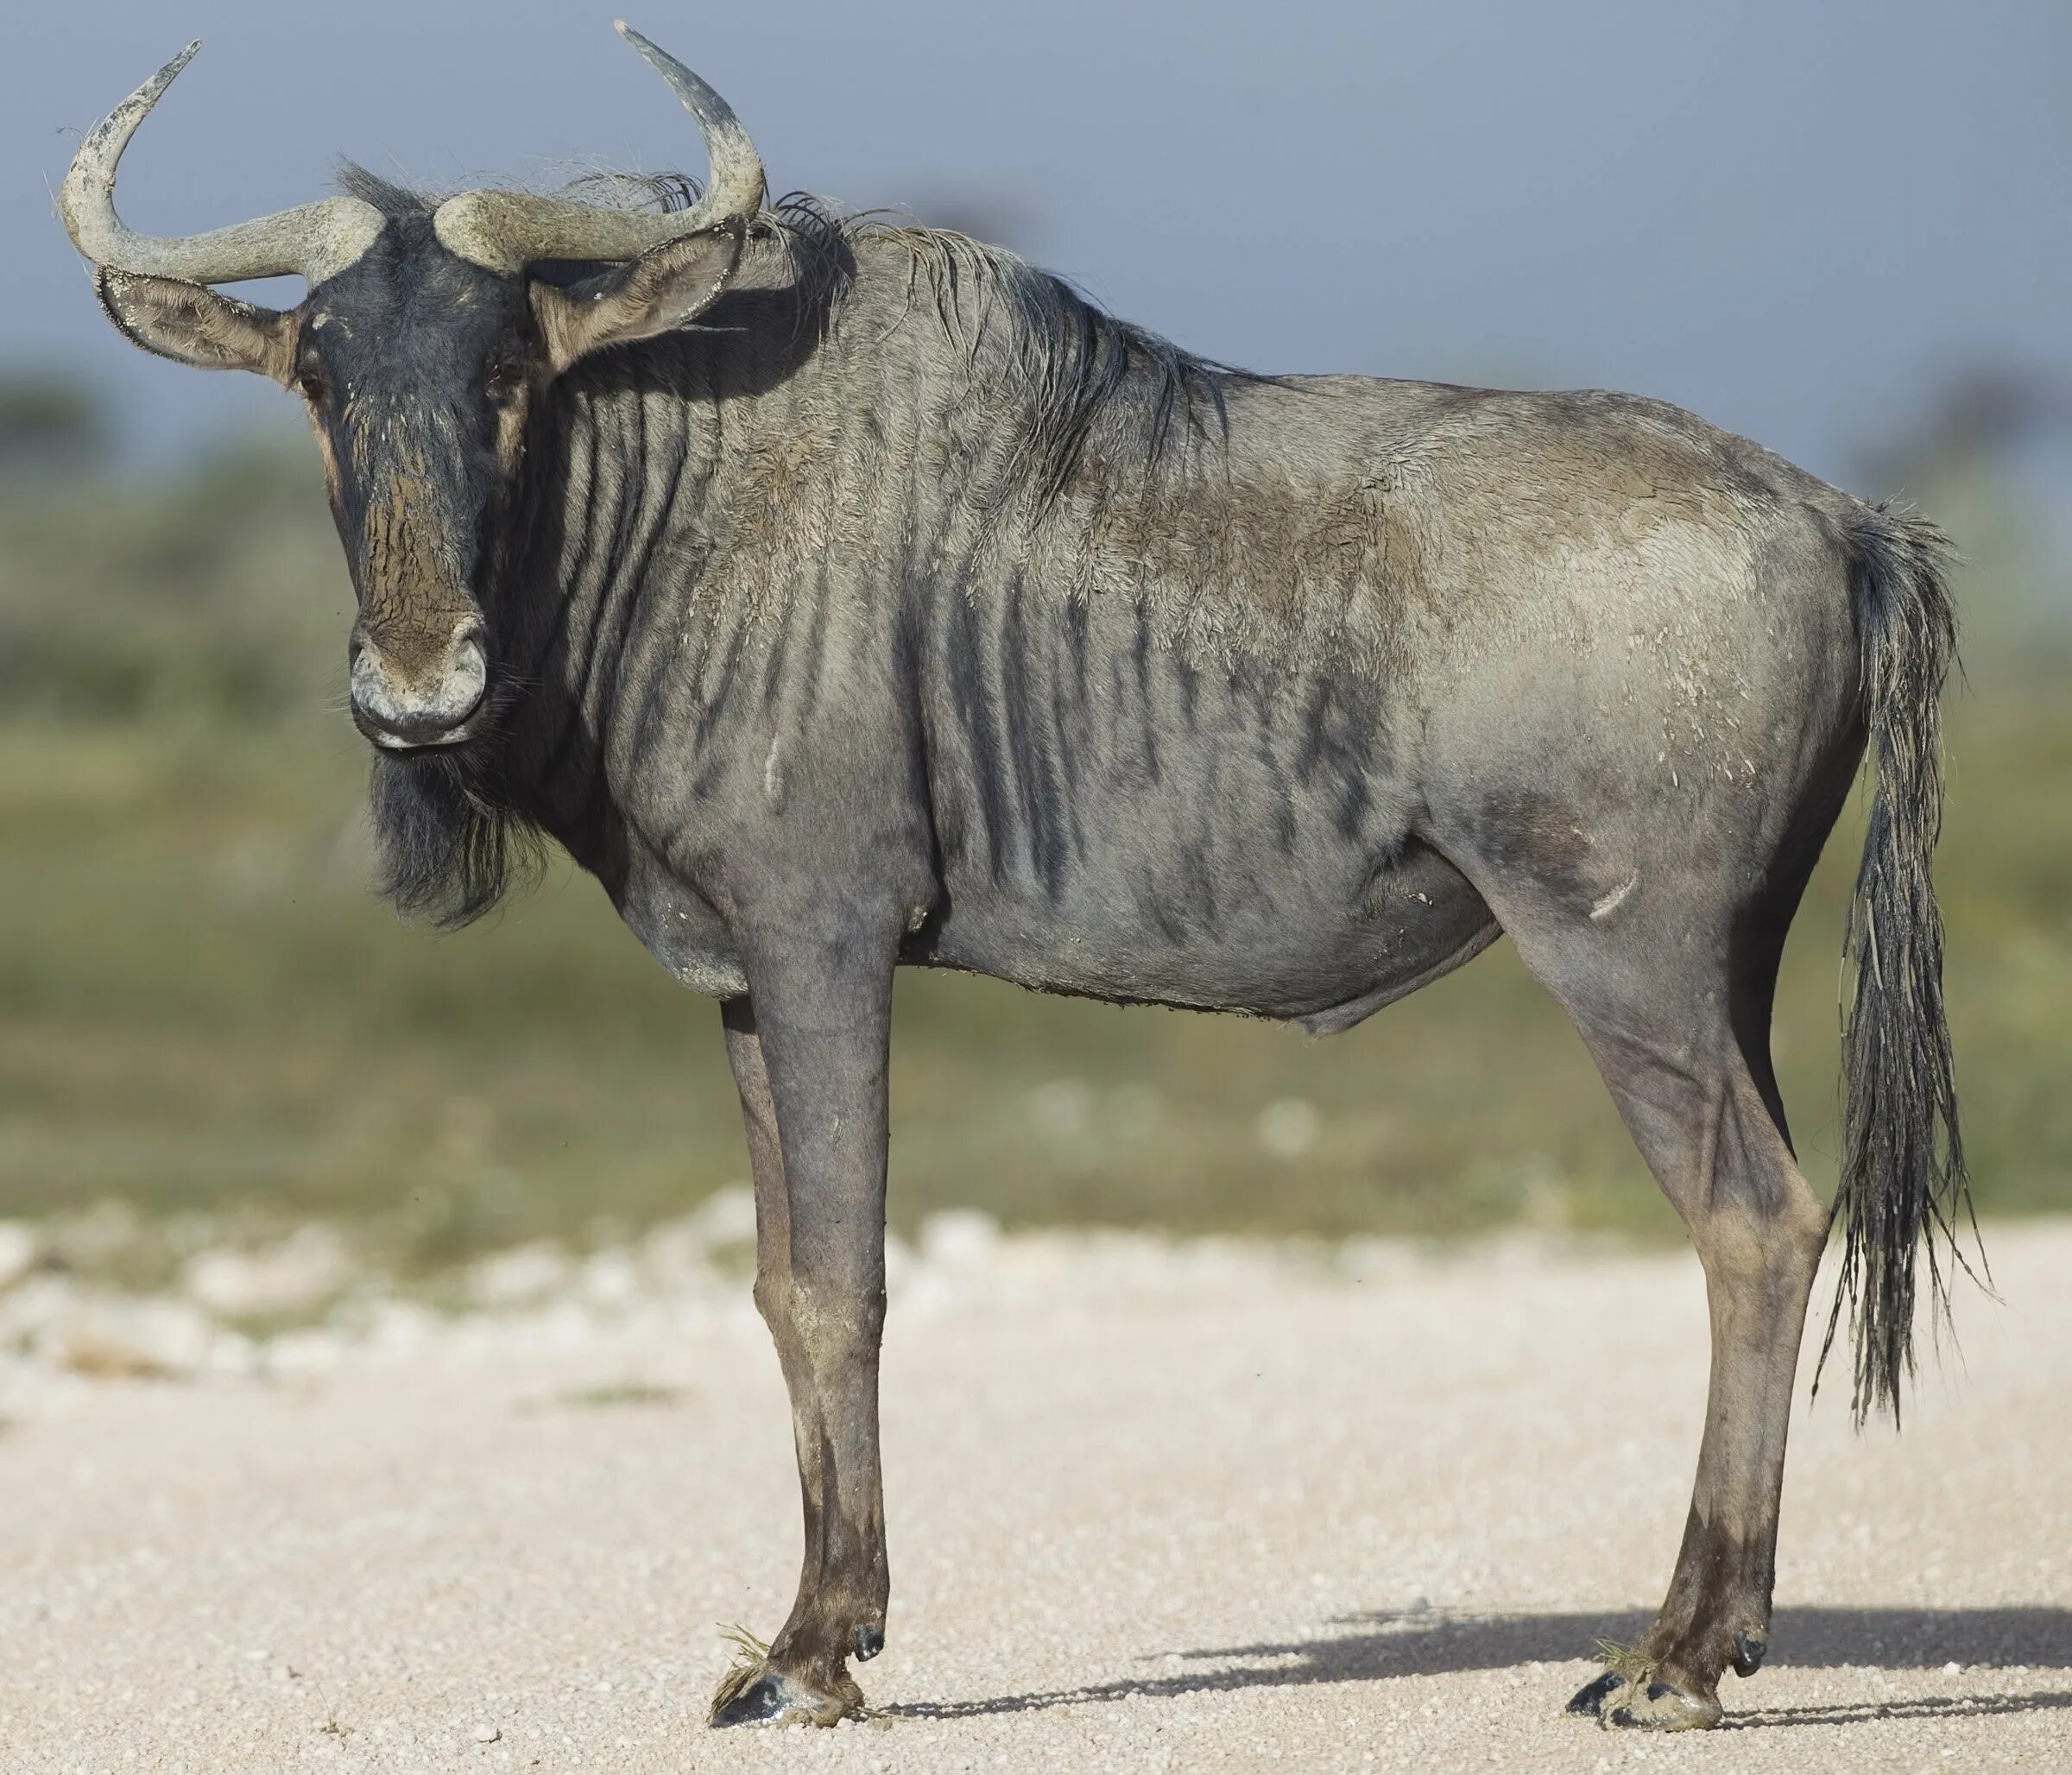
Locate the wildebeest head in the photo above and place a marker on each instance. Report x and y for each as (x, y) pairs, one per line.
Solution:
(426, 332)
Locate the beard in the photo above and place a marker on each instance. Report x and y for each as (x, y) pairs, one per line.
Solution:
(449, 843)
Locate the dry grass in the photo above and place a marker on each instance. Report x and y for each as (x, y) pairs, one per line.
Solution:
(745, 1665)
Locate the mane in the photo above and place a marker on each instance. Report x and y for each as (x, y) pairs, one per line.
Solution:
(397, 203)
(1082, 369)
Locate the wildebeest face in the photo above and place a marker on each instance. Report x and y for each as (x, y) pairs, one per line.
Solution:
(425, 339)
(417, 368)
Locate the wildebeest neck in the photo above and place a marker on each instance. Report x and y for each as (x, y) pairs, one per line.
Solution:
(865, 398)
(874, 417)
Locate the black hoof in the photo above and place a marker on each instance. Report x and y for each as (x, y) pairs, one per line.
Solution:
(1749, 1654)
(1658, 1691)
(1656, 1706)
(763, 1702)
(870, 1641)
(1590, 1699)
(767, 1697)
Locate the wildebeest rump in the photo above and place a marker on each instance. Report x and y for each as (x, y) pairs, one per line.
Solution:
(844, 594)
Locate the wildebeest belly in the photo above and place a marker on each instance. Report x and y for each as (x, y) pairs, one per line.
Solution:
(1114, 819)
(1180, 937)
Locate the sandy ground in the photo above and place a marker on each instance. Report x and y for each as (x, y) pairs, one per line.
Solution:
(1246, 1514)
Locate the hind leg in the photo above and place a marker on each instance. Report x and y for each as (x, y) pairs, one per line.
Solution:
(1758, 1230)
(1671, 1022)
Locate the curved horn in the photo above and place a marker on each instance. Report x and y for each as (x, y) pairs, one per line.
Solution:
(314, 241)
(507, 230)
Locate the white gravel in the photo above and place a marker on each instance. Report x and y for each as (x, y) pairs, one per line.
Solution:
(1204, 1507)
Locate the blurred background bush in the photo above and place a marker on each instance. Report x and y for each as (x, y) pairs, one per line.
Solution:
(209, 1028)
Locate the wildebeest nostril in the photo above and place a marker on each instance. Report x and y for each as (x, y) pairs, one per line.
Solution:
(467, 676)
(469, 639)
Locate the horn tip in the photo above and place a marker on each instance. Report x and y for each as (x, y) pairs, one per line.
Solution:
(165, 77)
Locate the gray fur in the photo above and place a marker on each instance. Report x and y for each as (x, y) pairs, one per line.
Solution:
(903, 608)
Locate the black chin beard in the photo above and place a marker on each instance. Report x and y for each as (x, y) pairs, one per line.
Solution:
(449, 843)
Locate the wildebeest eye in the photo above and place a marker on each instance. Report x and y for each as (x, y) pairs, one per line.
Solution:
(506, 375)
(310, 383)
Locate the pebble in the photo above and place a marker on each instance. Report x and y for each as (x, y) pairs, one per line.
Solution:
(293, 1275)
(20, 1248)
(726, 1217)
(959, 1238)
(521, 1275)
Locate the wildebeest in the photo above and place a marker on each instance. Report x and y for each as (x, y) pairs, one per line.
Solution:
(844, 594)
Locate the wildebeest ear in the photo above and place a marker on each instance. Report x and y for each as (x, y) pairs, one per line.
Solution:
(654, 294)
(191, 324)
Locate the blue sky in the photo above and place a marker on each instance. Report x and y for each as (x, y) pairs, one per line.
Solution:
(1792, 217)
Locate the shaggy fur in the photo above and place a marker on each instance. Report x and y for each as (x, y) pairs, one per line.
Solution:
(449, 845)
(849, 594)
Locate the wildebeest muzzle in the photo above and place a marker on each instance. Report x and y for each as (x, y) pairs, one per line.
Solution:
(406, 697)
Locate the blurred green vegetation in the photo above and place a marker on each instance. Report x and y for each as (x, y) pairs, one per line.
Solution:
(203, 1013)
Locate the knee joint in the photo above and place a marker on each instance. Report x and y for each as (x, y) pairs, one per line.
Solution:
(821, 1309)
(772, 1296)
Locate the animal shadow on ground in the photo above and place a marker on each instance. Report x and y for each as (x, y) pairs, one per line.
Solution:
(1428, 1642)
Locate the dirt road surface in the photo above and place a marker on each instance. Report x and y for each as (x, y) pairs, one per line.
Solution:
(1198, 1511)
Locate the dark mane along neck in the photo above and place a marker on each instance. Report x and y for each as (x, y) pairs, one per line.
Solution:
(1063, 368)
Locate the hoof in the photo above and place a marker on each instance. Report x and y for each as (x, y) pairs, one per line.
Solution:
(870, 1641)
(1749, 1654)
(1590, 1699)
(1648, 1704)
(756, 1695)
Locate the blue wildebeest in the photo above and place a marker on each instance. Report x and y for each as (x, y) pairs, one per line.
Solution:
(844, 594)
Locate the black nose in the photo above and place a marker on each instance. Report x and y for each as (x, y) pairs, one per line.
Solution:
(423, 707)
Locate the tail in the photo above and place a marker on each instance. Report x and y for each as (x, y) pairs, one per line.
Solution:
(1903, 1182)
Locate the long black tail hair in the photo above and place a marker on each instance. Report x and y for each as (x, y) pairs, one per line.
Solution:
(1903, 1182)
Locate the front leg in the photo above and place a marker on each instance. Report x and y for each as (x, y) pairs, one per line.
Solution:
(809, 1049)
